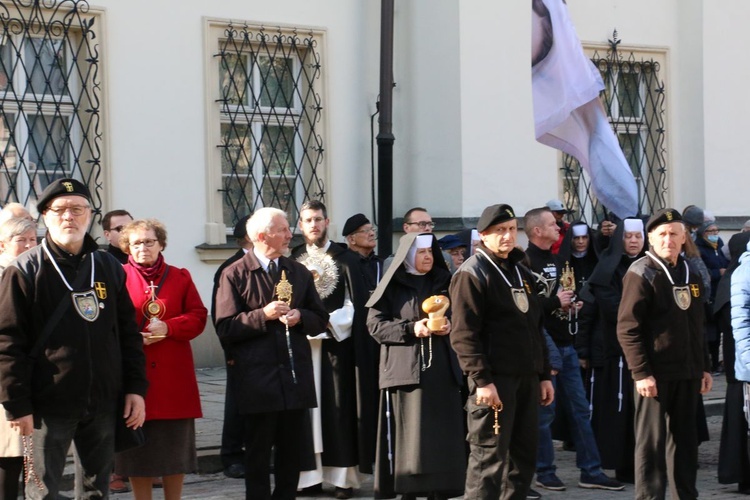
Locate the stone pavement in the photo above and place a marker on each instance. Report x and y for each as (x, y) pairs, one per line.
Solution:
(211, 484)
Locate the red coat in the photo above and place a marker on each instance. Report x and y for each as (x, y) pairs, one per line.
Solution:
(173, 389)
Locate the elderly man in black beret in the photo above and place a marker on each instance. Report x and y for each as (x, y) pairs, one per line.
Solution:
(660, 329)
(497, 335)
(70, 350)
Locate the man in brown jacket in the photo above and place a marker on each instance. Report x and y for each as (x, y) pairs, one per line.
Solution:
(266, 337)
(660, 329)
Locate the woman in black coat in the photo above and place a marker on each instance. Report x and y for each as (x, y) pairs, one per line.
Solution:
(421, 450)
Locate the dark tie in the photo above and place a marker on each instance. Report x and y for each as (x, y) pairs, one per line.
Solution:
(273, 271)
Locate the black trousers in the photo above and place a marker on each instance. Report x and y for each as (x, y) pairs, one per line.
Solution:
(283, 430)
(233, 429)
(502, 467)
(666, 441)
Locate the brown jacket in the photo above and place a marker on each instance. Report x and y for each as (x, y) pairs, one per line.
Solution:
(262, 371)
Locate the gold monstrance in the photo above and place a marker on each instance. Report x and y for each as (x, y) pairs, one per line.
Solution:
(154, 308)
(568, 282)
(284, 294)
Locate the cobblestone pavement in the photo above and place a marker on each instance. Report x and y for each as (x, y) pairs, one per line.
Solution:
(211, 484)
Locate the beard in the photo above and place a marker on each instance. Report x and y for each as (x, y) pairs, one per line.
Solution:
(320, 241)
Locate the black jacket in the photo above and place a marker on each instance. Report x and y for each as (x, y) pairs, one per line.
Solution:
(490, 334)
(84, 365)
(546, 270)
(391, 322)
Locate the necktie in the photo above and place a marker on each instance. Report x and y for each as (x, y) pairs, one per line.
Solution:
(273, 271)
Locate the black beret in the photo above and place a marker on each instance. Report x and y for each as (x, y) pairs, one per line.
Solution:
(495, 214)
(450, 241)
(663, 216)
(240, 229)
(62, 187)
(353, 223)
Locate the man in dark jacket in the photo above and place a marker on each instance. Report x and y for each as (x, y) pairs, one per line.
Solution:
(264, 330)
(69, 348)
(112, 224)
(497, 335)
(660, 329)
(558, 313)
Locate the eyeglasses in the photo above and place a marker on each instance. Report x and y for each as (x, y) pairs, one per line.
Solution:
(145, 243)
(117, 228)
(423, 224)
(373, 230)
(711, 231)
(75, 210)
(315, 220)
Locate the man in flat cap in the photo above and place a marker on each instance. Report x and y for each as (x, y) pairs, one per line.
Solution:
(70, 351)
(660, 329)
(362, 238)
(232, 431)
(497, 335)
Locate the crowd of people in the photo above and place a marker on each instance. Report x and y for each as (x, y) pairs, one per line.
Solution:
(446, 369)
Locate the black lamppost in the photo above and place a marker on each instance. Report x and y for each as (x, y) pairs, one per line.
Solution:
(385, 137)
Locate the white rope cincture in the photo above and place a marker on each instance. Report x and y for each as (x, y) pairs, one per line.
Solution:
(619, 390)
(388, 427)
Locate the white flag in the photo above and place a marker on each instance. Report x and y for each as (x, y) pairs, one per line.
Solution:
(568, 114)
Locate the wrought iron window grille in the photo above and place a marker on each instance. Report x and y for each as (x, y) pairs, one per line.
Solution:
(50, 94)
(634, 99)
(270, 111)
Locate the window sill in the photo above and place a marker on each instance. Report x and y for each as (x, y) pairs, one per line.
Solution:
(215, 254)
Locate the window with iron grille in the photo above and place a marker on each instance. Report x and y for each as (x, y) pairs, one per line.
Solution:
(49, 99)
(635, 103)
(268, 118)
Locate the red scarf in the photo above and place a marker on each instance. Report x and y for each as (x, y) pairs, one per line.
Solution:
(149, 273)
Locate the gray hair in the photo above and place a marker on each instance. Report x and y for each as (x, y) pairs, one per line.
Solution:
(15, 226)
(262, 222)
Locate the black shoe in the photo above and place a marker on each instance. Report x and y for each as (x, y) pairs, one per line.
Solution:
(343, 493)
(533, 495)
(235, 471)
(311, 491)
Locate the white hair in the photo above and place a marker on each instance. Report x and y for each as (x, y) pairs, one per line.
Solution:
(262, 222)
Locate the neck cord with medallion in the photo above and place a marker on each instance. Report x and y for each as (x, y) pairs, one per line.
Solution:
(86, 302)
(681, 294)
(518, 294)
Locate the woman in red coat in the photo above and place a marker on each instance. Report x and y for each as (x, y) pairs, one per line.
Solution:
(171, 314)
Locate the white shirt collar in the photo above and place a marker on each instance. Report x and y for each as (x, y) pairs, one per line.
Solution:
(264, 261)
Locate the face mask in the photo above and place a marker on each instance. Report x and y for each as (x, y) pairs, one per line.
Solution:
(713, 238)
